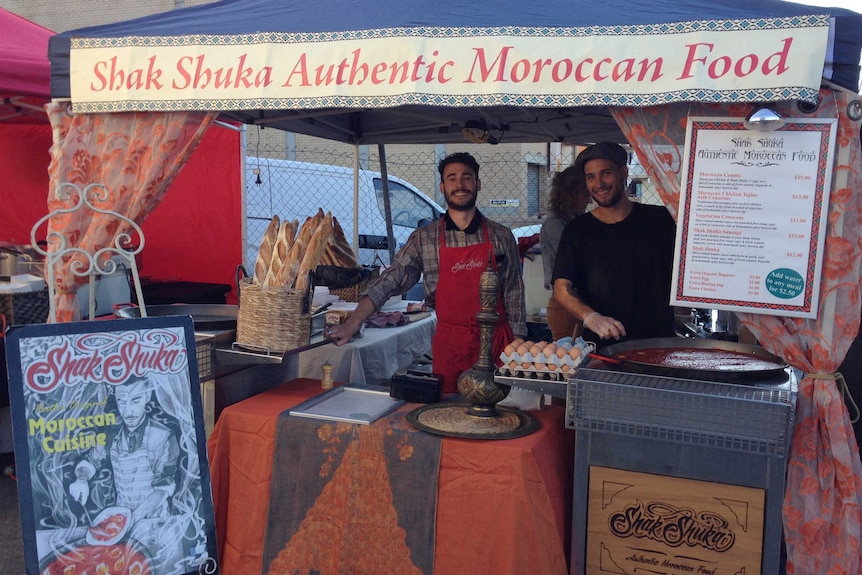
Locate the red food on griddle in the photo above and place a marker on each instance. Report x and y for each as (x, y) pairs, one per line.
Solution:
(699, 359)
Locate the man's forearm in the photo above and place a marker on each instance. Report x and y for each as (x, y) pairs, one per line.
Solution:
(566, 297)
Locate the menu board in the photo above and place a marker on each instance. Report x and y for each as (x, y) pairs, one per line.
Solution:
(752, 216)
(110, 447)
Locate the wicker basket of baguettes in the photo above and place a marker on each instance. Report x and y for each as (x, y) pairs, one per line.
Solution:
(275, 303)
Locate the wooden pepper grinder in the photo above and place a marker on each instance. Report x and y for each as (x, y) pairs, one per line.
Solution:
(326, 382)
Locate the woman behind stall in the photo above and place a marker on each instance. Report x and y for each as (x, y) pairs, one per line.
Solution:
(568, 199)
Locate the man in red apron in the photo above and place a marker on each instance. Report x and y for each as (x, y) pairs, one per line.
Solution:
(450, 258)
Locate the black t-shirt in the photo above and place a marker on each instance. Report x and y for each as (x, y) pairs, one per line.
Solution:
(623, 270)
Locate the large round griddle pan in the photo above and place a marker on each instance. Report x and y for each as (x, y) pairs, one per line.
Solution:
(206, 317)
(776, 374)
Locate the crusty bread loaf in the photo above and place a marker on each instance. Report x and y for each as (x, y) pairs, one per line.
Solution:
(339, 248)
(336, 255)
(314, 253)
(338, 236)
(287, 273)
(264, 254)
(280, 253)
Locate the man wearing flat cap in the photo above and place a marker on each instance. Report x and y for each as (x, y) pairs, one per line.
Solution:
(614, 264)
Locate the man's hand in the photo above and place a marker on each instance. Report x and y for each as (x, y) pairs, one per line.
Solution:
(80, 491)
(604, 326)
(340, 334)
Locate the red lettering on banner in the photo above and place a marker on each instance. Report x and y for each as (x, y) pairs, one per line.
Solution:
(561, 70)
(719, 66)
(377, 73)
(597, 74)
(484, 69)
(112, 78)
(580, 76)
(356, 68)
(195, 74)
(354, 71)
(301, 68)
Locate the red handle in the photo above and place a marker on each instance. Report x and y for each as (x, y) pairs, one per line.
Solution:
(606, 358)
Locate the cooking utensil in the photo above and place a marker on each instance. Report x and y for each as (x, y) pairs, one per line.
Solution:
(205, 317)
(610, 354)
(302, 348)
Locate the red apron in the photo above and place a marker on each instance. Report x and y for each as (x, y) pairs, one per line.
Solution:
(455, 346)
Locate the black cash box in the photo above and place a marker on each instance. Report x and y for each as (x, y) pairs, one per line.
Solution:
(417, 386)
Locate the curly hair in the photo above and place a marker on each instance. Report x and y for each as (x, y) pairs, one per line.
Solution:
(459, 158)
(565, 186)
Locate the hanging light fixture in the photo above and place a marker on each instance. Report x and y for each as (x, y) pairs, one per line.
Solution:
(764, 119)
(476, 131)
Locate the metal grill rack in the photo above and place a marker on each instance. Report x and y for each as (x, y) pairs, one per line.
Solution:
(743, 418)
(702, 430)
(204, 350)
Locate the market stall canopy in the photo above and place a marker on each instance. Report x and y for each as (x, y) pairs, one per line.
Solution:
(389, 71)
(25, 73)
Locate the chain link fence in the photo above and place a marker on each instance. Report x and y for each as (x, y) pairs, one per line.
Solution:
(292, 176)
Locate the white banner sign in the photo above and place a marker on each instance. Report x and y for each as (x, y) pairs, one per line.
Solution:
(609, 65)
(752, 216)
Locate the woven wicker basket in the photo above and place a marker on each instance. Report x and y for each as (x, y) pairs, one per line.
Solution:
(272, 319)
(351, 293)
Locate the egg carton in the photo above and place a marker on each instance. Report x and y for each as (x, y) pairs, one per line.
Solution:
(538, 362)
(528, 360)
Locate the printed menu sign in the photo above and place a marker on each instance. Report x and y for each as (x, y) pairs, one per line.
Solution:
(110, 448)
(752, 216)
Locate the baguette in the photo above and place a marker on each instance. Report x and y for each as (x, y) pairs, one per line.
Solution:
(280, 253)
(287, 274)
(338, 236)
(316, 247)
(264, 254)
(337, 255)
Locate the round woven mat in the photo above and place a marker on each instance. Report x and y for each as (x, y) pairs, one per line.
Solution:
(453, 420)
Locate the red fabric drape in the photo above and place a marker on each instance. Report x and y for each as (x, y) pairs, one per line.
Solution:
(135, 156)
(822, 518)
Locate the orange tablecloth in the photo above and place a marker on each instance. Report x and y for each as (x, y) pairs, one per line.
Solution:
(502, 506)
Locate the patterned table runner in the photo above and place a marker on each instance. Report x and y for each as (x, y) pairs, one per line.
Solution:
(348, 498)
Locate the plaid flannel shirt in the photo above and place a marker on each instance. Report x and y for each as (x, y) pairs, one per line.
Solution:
(420, 256)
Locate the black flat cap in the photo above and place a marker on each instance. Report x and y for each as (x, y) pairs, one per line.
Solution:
(603, 151)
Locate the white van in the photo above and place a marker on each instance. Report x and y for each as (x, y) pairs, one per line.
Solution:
(295, 190)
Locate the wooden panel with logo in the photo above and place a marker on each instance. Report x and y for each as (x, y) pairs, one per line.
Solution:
(644, 523)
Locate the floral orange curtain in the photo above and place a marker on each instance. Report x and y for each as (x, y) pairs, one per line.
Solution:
(135, 156)
(823, 497)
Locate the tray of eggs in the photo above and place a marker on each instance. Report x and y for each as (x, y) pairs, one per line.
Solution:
(556, 360)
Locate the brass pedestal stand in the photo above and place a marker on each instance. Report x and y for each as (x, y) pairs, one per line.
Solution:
(480, 417)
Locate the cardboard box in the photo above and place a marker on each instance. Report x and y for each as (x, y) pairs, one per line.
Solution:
(645, 523)
(336, 317)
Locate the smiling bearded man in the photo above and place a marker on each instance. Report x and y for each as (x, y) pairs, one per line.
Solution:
(614, 265)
